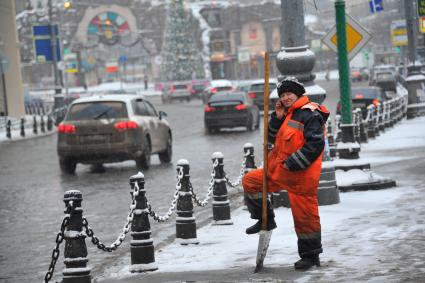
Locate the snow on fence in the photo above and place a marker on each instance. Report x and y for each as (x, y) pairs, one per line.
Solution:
(75, 227)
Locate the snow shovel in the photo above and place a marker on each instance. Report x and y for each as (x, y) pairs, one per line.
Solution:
(264, 235)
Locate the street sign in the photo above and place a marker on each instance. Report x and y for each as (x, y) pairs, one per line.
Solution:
(43, 44)
(122, 59)
(376, 6)
(71, 62)
(399, 33)
(158, 60)
(422, 24)
(421, 8)
(357, 37)
(243, 55)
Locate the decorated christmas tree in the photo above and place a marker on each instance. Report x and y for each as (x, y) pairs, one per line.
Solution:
(180, 53)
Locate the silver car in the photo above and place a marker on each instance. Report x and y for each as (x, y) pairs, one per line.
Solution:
(112, 128)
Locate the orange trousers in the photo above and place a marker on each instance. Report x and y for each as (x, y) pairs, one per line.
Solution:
(305, 211)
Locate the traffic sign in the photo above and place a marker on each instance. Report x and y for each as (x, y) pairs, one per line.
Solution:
(376, 6)
(422, 24)
(357, 37)
(399, 33)
(43, 43)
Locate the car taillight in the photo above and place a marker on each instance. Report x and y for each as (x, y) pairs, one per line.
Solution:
(125, 125)
(375, 102)
(240, 107)
(172, 89)
(252, 95)
(66, 128)
(209, 109)
(213, 90)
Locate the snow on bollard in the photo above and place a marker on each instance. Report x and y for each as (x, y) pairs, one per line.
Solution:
(220, 204)
(76, 270)
(141, 246)
(248, 150)
(185, 221)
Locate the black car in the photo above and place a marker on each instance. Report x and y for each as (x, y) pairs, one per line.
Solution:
(256, 92)
(230, 110)
(362, 97)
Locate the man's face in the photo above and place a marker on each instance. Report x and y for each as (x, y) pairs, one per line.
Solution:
(287, 99)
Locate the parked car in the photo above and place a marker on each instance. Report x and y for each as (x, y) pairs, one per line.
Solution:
(256, 92)
(386, 80)
(362, 97)
(216, 86)
(229, 110)
(112, 128)
(356, 75)
(176, 91)
(197, 88)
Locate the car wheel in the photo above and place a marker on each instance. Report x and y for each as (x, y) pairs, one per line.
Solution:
(144, 161)
(166, 156)
(67, 165)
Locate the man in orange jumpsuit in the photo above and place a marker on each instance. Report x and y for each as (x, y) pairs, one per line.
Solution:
(296, 131)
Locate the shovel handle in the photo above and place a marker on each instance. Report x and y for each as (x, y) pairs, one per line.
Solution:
(265, 139)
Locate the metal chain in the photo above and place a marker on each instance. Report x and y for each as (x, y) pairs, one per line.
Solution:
(121, 237)
(241, 172)
(164, 218)
(56, 251)
(204, 202)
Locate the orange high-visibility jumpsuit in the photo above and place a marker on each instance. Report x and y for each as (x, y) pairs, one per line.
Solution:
(299, 143)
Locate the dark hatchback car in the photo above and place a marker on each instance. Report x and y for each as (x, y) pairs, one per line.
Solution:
(112, 128)
(230, 110)
(362, 97)
(256, 92)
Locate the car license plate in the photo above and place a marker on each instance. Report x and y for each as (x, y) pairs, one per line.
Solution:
(93, 139)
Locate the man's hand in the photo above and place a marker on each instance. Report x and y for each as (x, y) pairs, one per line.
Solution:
(280, 110)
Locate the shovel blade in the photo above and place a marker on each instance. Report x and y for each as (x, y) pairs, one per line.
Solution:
(263, 246)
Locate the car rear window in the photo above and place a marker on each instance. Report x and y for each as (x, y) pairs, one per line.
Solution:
(96, 110)
(223, 88)
(260, 87)
(365, 93)
(180, 87)
(227, 97)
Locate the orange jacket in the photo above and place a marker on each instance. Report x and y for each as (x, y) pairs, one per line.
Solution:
(299, 144)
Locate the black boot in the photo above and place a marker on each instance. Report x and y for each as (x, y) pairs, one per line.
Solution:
(306, 262)
(254, 229)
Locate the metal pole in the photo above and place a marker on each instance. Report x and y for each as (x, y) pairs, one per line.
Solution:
(54, 50)
(293, 33)
(410, 25)
(3, 80)
(343, 66)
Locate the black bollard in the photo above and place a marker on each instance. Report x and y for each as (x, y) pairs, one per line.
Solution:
(49, 123)
(34, 125)
(220, 205)
(42, 128)
(248, 150)
(185, 221)
(22, 127)
(351, 150)
(141, 247)
(9, 129)
(331, 140)
(76, 270)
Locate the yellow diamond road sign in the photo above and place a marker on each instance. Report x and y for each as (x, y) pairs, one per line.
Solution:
(357, 37)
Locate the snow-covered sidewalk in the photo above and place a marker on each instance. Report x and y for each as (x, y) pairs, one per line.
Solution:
(370, 236)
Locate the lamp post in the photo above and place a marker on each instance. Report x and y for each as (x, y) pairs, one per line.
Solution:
(54, 49)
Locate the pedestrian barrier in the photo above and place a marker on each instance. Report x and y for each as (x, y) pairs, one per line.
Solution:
(75, 227)
(13, 127)
(378, 118)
